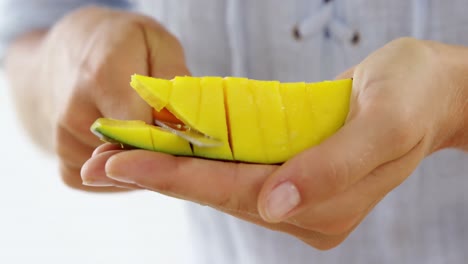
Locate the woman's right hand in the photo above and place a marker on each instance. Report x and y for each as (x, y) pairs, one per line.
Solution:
(79, 70)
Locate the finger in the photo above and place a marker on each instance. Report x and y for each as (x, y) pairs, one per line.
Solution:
(318, 173)
(225, 186)
(70, 149)
(104, 83)
(165, 53)
(326, 241)
(72, 153)
(77, 125)
(229, 185)
(93, 172)
(342, 212)
(112, 94)
(106, 147)
(71, 177)
(312, 238)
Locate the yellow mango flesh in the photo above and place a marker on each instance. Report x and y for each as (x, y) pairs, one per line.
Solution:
(246, 138)
(198, 102)
(184, 101)
(298, 116)
(141, 135)
(255, 121)
(212, 119)
(329, 103)
(271, 118)
(154, 91)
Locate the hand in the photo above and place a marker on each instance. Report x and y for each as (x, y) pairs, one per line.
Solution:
(408, 101)
(81, 71)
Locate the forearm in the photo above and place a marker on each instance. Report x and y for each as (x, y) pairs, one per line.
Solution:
(22, 68)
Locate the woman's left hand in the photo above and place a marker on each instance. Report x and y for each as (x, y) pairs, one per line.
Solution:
(409, 99)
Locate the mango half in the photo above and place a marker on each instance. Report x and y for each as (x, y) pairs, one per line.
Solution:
(255, 121)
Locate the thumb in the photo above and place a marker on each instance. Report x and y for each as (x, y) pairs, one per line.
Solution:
(159, 54)
(166, 56)
(332, 167)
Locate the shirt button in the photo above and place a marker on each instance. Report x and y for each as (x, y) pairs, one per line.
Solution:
(296, 33)
(326, 33)
(356, 38)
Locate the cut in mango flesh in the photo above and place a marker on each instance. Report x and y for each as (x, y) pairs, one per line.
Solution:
(255, 121)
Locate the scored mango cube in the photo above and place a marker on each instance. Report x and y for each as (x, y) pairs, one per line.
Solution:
(246, 138)
(212, 119)
(271, 120)
(185, 100)
(329, 104)
(298, 116)
(154, 91)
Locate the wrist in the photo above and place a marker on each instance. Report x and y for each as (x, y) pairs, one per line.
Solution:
(453, 63)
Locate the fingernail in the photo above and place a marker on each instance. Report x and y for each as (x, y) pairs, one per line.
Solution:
(120, 178)
(95, 152)
(97, 183)
(281, 201)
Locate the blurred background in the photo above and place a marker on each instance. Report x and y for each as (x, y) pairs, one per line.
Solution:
(43, 221)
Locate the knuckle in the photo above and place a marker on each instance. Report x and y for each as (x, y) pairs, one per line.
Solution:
(401, 127)
(401, 136)
(401, 131)
(69, 149)
(335, 175)
(169, 183)
(230, 203)
(329, 177)
(69, 127)
(95, 73)
(232, 200)
(166, 186)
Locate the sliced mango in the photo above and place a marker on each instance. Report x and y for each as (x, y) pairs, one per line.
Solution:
(271, 120)
(254, 121)
(246, 138)
(298, 116)
(140, 135)
(329, 103)
(184, 101)
(154, 91)
(212, 119)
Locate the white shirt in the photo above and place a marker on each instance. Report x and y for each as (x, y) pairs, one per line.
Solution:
(425, 220)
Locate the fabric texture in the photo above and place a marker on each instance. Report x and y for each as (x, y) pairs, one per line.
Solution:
(20, 16)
